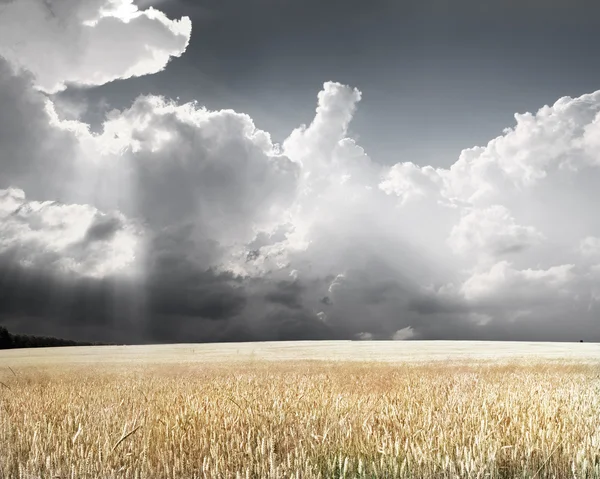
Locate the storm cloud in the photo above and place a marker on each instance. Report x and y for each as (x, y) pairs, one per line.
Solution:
(173, 222)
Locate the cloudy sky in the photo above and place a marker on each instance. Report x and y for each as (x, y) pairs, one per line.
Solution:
(227, 170)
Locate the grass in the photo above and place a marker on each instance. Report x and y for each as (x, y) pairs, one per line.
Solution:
(299, 419)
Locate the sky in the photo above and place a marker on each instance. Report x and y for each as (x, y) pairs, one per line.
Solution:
(436, 76)
(177, 171)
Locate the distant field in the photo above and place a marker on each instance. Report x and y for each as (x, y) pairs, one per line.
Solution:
(385, 351)
(302, 410)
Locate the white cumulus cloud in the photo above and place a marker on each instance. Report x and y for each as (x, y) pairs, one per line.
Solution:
(66, 238)
(404, 334)
(493, 231)
(88, 42)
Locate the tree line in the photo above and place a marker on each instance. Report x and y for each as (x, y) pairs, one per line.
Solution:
(13, 341)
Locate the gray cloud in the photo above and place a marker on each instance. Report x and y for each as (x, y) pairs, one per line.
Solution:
(34, 154)
(286, 293)
(103, 228)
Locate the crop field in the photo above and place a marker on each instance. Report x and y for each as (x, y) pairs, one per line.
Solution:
(413, 409)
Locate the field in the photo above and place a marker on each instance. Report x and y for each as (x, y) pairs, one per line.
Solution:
(411, 409)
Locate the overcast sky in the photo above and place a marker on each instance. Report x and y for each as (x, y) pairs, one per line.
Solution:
(223, 170)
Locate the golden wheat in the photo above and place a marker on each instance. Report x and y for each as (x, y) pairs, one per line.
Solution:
(305, 419)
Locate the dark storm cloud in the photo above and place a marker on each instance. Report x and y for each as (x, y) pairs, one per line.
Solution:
(287, 293)
(42, 302)
(113, 309)
(203, 295)
(380, 293)
(174, 295)
(27, 142)
(209, 309)
(285, 325)
(433, 304)
(198, 306)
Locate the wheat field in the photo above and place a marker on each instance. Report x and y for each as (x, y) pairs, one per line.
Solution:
(301, 411)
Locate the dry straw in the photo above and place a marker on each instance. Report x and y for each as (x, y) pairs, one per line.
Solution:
(301, 420)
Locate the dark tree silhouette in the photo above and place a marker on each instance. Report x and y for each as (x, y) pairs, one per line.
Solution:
(13, 341)
(5, 339)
